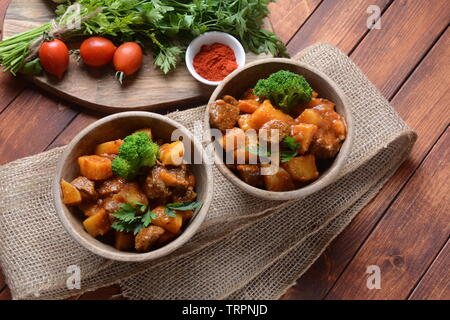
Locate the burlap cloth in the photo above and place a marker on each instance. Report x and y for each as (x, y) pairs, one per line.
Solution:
(246, 249)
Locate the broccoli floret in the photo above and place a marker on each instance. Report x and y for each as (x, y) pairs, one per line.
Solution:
(136, 152)
(284, 89)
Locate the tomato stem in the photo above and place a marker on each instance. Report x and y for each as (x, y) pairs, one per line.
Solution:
(119, 76)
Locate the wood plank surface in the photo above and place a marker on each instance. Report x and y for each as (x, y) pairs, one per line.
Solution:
(435, 284)
(337, 23)
(30, 123)
(425, 118)
(406, 27)
(400, 44)
(394, 246)
(10, 87)
(286, 16)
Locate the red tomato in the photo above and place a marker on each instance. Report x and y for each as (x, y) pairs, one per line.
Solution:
(128, 58)
(97, 51)
(54, 57)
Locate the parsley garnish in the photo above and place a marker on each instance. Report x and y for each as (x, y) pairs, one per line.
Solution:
(289, 143)
(181, 206)
(130, 218)
(292, 144)
(129, 221)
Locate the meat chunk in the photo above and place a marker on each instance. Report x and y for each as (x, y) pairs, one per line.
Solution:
(331, 130)
(175, 176)
(231, 100)
(132, 193)
(223, 115)
(154, 186)
(147, 237)
(184, 195)
(112, 204)
(86, 188)
(111, 186)
(250, 173)
(280, 128)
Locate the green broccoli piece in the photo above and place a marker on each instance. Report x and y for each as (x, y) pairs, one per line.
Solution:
(136, 152)
(284, 89)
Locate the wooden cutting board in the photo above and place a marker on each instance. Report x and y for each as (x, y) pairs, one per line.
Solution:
(96, 88)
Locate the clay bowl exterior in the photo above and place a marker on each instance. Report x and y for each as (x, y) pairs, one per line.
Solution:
(115, 127)
(240, 80)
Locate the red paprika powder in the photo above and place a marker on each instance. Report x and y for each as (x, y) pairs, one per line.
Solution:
(215, 62)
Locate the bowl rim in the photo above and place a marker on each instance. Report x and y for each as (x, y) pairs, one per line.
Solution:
(190, 66)
(323, 180)
(184, 237)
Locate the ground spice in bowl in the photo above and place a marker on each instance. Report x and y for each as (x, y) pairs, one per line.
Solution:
(215, 62)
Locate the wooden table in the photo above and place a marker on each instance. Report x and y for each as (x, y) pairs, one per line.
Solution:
(404, 229)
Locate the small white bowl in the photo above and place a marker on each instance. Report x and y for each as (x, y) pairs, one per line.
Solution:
(209, 38)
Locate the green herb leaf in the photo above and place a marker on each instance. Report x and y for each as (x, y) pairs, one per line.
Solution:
(259, 151)
(185, 206)
(291, 143)
(169, 212)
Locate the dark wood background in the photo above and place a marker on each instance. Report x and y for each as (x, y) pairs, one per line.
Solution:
(405, 228)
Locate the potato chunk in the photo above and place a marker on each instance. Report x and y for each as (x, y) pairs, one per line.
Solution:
(71, 195)
(171, 224)
(304, 134)
(244, 122)
(267, 112)
(281, 181)
(302, 168)
(147, 131)
(147, 237)
(110, 147)
(98, 224)
(89, 208)
(248, 106)
(171, 154)
(320, 102)
(233, 139)
(95, 167)
(311, 116)
(123, 241)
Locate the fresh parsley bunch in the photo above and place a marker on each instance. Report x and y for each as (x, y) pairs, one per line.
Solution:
(164, 26)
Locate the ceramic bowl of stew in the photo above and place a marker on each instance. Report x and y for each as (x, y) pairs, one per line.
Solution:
(235, 85)
(114, 127)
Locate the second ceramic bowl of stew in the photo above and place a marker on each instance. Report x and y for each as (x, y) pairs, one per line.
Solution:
(241, 80)
(114, 127)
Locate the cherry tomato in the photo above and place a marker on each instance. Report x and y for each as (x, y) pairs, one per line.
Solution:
(97, 51)
(54, 57)
(128, 58)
